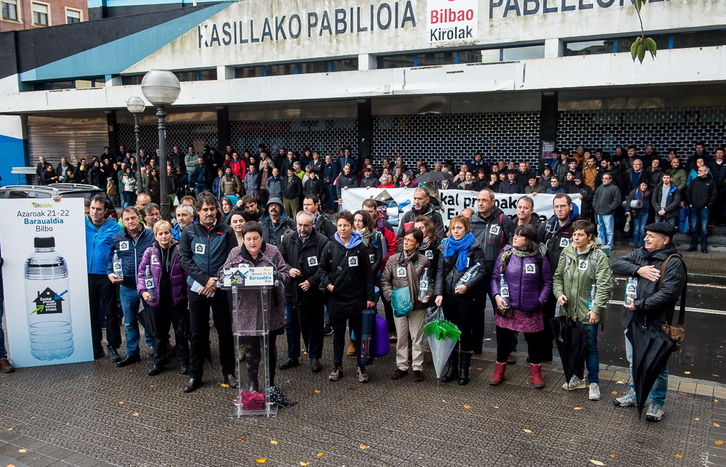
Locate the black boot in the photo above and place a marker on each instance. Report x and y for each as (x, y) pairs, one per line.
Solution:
(452, 371)
(464, 368)
(252, 360)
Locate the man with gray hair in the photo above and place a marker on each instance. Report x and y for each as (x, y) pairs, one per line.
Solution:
(422, 206)
(302, 250)
(184, 217)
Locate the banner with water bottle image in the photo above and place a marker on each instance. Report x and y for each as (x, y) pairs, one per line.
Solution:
(45, 282)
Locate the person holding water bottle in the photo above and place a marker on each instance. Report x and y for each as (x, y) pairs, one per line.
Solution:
(583, 286)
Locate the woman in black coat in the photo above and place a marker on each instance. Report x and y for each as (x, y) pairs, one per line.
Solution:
(460, 254)
(347, 279)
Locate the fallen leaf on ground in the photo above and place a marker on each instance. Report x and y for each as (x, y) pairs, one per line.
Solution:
(596, 462)
(135, 414)
(487, 338)
(121, 402)
(577, 408)
(240, 439)
(683, 393)
(67, 399)
(713, 374)
(261, 460)
(620, 382)
(678, 455)
(22, 450)
(718, 442)
(304, 463)
(363, 446)
(152, 385)
(317, 391)
(273, 442)
(717, 425)
(469, 407)
(614, 393)
(224, 385)
(613, 456)
(479, 369)
(495, 406)
(697, 419)
(526, 430)
(320, 454)
(686, 372)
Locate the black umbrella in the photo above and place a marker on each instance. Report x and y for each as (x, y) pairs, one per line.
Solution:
(433, 177)
(146, 318)
(571, 338)
(651, 349)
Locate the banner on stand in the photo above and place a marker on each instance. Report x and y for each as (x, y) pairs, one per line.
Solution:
(45, 281)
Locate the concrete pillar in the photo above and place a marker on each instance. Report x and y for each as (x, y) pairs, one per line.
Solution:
(553, 48)
(366, 62)
(548, 125)
(225, 72)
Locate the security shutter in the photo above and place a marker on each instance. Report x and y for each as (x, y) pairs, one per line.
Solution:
(70, 137)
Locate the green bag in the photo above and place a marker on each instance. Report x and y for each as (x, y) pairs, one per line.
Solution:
(401, 302)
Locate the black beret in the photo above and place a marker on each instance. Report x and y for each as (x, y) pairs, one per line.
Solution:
(662, 228)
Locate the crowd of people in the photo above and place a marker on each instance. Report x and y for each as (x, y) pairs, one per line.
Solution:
(329, 265)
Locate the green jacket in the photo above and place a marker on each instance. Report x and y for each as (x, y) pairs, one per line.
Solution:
(575, 276)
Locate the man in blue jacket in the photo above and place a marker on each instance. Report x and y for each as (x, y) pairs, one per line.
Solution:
(99, 231)
(129, 245)
(204, 248)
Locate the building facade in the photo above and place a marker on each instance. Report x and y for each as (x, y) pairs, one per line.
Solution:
(16, 15)
(424, 79)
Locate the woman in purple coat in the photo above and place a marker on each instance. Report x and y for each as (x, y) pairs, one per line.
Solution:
(254, 252)
(166, 298)
(526, 273)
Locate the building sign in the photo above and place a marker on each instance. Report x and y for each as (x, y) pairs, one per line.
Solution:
(452, 20)
(294, 25)
(509, 8)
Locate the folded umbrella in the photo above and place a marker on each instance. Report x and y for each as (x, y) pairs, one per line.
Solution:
(651, 350)
(571, 338)
(442, 336)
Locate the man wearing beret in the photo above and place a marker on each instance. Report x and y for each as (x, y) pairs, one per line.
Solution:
(653, 297)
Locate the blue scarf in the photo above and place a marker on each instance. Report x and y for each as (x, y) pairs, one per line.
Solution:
(459, 246)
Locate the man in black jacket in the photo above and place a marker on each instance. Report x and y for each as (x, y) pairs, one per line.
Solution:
(204, 248)
(701, 196)
(302, 251)
(655, 295)
(291, 192)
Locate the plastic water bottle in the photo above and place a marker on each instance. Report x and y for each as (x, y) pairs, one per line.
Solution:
(631, 290)
(593, 291)
(423, 286)
(118, 267)
(47, 302)
(504, 290)
(149, 282)
(471, 272)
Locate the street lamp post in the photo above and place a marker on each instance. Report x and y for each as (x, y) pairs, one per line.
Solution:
(161, 88)
(136, 106)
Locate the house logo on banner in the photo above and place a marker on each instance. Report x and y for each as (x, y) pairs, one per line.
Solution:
(452, 20)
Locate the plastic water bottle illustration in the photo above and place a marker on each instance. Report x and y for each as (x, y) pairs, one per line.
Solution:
(504, 290)
(149, 282)
(593, 291)
(118, 267)
(631, 290)
(47, 302)
(423, 286)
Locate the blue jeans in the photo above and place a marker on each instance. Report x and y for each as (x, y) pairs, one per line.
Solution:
(639, 222)
(605, 229)
(592, 358)
(660, 388)
(130, 302)
(699, 224)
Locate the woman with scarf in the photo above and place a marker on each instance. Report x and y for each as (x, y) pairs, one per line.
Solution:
(527, 273)
(348, 285)
(247, 317)
(638, 215)
(403, 271)
(461, 256)
(167, 300)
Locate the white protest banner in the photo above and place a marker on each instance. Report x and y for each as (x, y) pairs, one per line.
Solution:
(45, 281)
(454, 201)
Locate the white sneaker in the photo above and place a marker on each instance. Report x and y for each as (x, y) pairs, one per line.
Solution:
(654, 413)
(575, 383)
(594, 392)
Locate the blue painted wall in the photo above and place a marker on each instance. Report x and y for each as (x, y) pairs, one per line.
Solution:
(12, 154)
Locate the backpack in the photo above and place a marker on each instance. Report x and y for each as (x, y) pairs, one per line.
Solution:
(592, 259)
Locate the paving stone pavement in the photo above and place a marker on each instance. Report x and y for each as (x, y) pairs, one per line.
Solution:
(96, 414)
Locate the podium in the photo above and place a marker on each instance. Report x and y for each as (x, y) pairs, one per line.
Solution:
(253, 367)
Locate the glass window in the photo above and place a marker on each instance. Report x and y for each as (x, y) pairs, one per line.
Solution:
(10, 10)
(346, 64)
(470, 56)
(589, 47)
(624, 43)
(279, 70)
(249, 72)
(396, 61)
(73, 16)
(436, 58)
(314, 67)
(207, 75)
(699, 39)
(40, 14)
(131, 80)
(523, 53)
